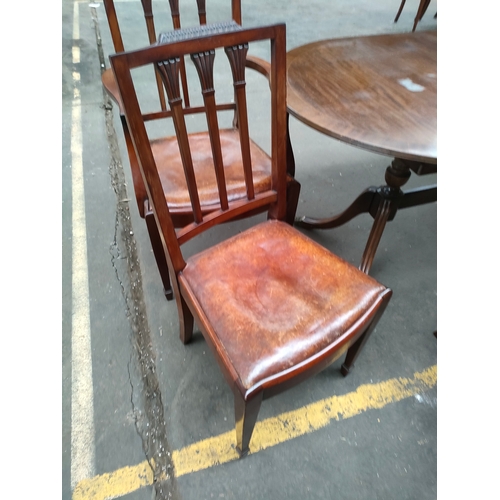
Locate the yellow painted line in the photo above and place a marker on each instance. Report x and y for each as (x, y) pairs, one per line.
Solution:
(270, 432)
(114, 484)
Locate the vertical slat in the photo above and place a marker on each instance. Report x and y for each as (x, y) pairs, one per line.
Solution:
(237, 56)
(174, 12)
(204, 63)
(150, 25)
(169, 71)
(236, 10)
(176, 22)
(202, 13)
(148, 16)
(236, 16)
(113, 25)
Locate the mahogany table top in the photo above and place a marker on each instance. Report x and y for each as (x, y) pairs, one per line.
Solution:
(375, 92)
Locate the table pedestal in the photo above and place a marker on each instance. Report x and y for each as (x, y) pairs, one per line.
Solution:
(381, 203)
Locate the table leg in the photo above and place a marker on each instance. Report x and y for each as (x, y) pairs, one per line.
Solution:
(361, 205)
(391, 198)
(369, 201)
(396, 176)
(384, 212)
(381, 203)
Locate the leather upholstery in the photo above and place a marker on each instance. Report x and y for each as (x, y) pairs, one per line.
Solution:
(267, 313)
(168, 161)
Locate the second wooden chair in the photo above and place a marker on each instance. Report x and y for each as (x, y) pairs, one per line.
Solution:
(205, 153)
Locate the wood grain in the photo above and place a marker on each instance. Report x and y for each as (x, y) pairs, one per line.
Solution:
(356, 90)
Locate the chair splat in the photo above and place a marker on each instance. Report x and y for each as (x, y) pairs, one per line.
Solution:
(169, 72)
(237, 57)
(204, 63)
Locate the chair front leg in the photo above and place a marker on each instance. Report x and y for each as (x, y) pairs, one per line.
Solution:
(354, 351)
(245, 415)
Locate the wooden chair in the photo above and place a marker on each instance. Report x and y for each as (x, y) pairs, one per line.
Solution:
(170, 164)
(274, 306)
(422, 8)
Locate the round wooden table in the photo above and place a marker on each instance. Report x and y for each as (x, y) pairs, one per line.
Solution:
(378, 93)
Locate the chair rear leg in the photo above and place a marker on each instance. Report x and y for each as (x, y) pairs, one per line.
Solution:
(159, 254)
(399, 11)
(245, 415)
(292, 200)
(293, 187)
(420, 13)
(186, 320)
(290, 157)
(354, 351)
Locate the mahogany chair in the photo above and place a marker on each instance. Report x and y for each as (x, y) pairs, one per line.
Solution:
(274, 306)
(166, 150)
(422, 8)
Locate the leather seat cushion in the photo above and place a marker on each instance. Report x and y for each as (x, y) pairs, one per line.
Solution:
(169, 164)
(267, 313)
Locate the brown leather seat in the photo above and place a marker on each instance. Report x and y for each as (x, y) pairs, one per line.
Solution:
(274, 306)
(168, 158)
(268, 316)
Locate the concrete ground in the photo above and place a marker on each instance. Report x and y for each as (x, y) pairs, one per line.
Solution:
(135, 400)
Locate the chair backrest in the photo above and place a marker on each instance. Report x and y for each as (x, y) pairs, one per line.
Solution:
(147, 8)
(201, 45)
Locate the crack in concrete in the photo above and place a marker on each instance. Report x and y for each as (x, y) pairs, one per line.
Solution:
(150, 424)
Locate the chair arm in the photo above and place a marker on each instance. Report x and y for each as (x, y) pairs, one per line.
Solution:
(260, 65)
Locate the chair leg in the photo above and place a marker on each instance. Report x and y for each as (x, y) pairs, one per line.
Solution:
(292, 200)
(293, 187)
(245, 416)
(422, 7)
(159, 254)
(186, 320)
(424, 10)
(354, 351)
(290, 157)
(400, 10)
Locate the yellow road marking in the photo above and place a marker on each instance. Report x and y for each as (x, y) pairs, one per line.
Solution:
(270, 432)
(114, 484)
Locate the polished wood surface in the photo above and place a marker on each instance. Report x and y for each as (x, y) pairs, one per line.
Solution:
(375, 92)
(274, 306)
